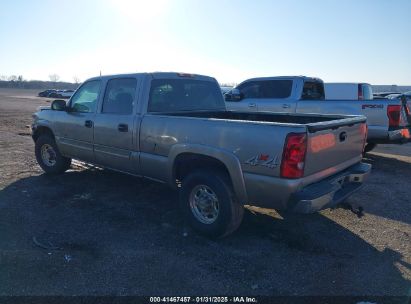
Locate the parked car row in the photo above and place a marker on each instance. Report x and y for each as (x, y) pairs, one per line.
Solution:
(56, 93)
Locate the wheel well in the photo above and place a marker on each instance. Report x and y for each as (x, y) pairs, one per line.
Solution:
(186, 163)
(40, 131)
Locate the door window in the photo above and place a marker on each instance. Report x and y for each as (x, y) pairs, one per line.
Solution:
(119, 96)
(85, 99)
(266, 89)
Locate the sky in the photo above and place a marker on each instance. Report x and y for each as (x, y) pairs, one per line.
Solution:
(338, 41)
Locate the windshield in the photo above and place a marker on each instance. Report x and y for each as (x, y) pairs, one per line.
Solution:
(173, 95)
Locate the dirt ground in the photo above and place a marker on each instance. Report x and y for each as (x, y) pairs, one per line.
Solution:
(95, 232)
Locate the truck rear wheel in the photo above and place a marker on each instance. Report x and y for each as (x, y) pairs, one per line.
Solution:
(48, 155)
(209, 204)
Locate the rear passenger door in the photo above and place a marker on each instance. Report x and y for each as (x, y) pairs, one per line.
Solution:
(116, 126)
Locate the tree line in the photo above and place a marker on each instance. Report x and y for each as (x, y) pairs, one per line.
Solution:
(18, 81)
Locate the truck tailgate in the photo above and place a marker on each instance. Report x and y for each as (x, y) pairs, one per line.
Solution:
(330, 144)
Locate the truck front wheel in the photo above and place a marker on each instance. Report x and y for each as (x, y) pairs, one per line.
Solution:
(209, 204)
(48, 155)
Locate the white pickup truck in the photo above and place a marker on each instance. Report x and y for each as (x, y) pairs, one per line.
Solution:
(387, 120)
(348, 91)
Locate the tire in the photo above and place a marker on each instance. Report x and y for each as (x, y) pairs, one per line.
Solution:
(46, 149)
(214, 185)
(369, 147)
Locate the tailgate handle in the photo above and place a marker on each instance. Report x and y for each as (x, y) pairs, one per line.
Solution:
(343, 136)
(122, 128)
(88, 124)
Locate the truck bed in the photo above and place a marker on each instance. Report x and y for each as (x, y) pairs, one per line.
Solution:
(332, 140)
(314, 122)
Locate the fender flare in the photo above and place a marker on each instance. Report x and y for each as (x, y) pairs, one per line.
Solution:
(230, 161)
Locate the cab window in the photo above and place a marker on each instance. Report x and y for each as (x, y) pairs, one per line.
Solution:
(313, 90)
(171, 95)
(119, 96)
(274, 89)
(85, 99)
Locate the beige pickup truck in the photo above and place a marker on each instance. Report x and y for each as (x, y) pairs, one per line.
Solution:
(174, 128)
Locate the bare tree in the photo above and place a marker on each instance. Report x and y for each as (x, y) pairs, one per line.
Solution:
(76, 80)
(3, 77)
(12, 78)
(54, 77)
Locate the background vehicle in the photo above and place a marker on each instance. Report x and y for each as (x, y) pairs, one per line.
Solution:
(65, 93)
(225, 89)
(387, 120)
(174, 128)
(54, 94)
(46, 93)
(393, 96)
(382, 95)
(348, 91)
(399, 95)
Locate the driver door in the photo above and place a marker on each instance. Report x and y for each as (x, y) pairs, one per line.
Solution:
(248, 101)
(74, 128)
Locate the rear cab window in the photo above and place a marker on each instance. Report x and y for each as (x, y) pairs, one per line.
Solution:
(313, 90)
(274, 89)
(174, 95)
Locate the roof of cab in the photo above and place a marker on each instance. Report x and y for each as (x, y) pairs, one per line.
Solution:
(156, 75)
(348, 83)
(305, 78)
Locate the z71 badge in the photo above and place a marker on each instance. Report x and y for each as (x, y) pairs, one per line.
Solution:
(264, 160)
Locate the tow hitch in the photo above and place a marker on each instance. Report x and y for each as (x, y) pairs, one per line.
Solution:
(357, 211)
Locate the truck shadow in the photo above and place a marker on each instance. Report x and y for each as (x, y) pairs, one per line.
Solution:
(110, 232)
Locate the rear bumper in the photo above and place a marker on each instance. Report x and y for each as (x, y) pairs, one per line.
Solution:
(330, 192)
(301, 195)
(398, 136)
(402, 135)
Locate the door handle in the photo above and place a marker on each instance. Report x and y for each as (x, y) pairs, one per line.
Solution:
(286, 106)
(252, 105)
(88, 124)
(122, 128)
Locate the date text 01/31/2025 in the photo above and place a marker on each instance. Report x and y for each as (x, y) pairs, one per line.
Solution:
(236, 299)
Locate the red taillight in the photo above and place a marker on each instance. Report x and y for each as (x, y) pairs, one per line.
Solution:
(360, 94)
(364, 133)
(292, 163)
(394, 115)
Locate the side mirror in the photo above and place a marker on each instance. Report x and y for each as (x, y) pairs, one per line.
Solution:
(58, 105)
(233, 95)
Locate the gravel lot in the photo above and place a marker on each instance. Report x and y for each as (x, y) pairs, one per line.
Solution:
(106, 233)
